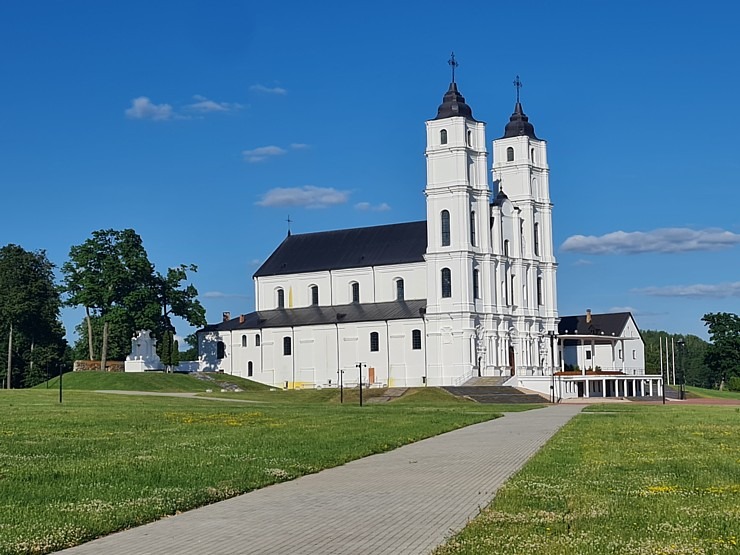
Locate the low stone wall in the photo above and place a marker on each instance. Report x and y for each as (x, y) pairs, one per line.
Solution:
(94, 366)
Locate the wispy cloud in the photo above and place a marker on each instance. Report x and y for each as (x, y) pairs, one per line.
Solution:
(299, 146)
(716, 290)
(665, 240)
(307, 196)
(367, 207)
(143, 108)
(582, 262)
(222, 295)
(262, 153)
(205, 105)
(268, 90)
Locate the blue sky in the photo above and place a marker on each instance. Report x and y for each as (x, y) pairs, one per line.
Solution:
(203, 125)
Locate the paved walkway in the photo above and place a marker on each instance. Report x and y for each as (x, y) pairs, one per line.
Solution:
(405, 502)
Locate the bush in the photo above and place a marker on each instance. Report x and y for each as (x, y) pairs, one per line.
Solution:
(734, 383)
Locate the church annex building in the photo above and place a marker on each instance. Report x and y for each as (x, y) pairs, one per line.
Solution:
(469, 292)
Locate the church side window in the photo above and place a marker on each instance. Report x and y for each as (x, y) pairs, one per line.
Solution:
(446, 283)
(257, 340)
(399, 289)
(536, 239)
(476, 284)
(506, 247)
(355, 292)
(287, 346)
(531, 155)
(281, 298)
(244, 340)
(250, 369)
(470, 138)
(416, 340)
(443, 137)
(510, 154)
(220, 350)
(374, 342)
(445, 219)
(539, 291)
(314, 295)
(472, 227)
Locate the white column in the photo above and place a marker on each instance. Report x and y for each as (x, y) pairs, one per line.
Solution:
(642, 388)
(651, 387)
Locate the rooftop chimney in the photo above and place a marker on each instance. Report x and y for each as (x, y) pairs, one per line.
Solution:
(227, 316)
(241, 318)
(588, 315)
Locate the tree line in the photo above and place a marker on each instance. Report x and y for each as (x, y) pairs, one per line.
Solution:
(111, 277)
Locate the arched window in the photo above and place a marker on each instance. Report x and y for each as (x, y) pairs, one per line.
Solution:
(472, 227)
(506, 247)
(250, 369)
(531, 154)
(374, 341)
(286, 346)
(470, 138)
(446, 283)
(355, 292)
(510, 154)
(244, 340)
(539, 291)
(220, 350)
(257, 340)
(445, 217)
(314, 295)
(399, 289)
(443, 137)
(416, 339)
(476, 284)
(280, 298)
(536, 239)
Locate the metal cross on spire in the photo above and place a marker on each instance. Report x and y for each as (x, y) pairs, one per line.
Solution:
(289, 222)
(453, 64)
(518, 84)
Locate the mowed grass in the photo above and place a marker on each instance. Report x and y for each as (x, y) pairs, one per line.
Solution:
(713, 393)
(621, 479)
(147, 381)
(103, 462)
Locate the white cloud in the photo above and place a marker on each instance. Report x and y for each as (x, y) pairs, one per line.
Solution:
(262, 153)
(143, 108)
(716, 290)
(623, 309)
(204, 105)
(582, 262)
(222, 295)
(665, 240)
(299, 146)
(307, 196)
(367, 207)
(268, 90)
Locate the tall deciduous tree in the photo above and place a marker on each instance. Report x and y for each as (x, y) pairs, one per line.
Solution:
(32, 334)
(111, 276)
(723, 354)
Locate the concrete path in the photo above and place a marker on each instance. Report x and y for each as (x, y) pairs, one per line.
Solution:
(406, 501)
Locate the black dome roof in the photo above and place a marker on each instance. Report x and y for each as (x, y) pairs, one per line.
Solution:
(453, 105)
(519, 125)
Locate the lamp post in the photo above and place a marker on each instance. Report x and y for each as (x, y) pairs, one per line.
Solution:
(682, 381)
(341, 385)
(359, 367)
(551, 333)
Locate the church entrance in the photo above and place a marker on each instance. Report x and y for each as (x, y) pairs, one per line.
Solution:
(512, 364)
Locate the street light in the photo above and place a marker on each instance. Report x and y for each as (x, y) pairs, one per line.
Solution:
(551, 333)
(682, 350)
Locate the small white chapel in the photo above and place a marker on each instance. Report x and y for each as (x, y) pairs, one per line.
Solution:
(471, 291)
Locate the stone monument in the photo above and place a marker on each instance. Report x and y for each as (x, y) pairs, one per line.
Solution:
(143, 357)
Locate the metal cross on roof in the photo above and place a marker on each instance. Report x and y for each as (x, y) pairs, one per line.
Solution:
(518, 84)
(289, 222)
(453, 64)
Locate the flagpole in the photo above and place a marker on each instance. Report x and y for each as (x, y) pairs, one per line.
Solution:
(673, 349)
(660, 340)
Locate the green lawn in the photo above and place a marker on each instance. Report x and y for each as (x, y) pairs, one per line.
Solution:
(100, 463)
(713, 393)
(621, 479)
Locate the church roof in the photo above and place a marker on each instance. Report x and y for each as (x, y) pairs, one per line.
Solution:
(316, 315)
(519, 124)
(601, 324)
(453, 105)
(348, 248)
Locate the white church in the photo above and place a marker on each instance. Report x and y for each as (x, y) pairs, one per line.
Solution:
(469, 292)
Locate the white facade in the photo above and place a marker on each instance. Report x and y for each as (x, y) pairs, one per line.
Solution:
(476, 296)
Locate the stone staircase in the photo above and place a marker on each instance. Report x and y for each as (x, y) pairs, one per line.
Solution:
(490, 390)
(388, 395)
